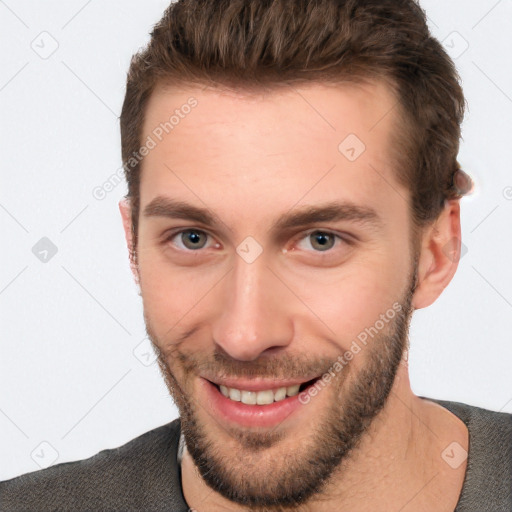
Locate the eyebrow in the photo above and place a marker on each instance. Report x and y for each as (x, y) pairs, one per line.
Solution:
(333, 211)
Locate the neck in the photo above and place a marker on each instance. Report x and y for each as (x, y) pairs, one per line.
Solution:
(397, 465)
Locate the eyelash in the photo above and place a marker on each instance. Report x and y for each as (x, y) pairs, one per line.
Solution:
(344, 239)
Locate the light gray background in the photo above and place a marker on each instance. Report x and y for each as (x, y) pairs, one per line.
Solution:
(75, 372)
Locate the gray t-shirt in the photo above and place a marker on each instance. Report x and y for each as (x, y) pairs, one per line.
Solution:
(144, 474)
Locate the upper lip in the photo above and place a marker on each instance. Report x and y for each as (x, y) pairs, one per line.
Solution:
(258, 384)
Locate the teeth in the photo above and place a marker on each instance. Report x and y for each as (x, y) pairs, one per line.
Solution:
(249, 397)
(280, 394)
(259, 397)
(264, 397)
(293, 390)
(235, 394)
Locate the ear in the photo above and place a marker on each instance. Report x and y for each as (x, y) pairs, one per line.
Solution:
(440, 255)
(126, 214)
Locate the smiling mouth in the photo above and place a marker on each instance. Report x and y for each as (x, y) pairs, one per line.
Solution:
(264, 397)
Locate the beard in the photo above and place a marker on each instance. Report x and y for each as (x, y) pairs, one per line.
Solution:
(254, 475)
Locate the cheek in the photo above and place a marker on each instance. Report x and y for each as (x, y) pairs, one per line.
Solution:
(172, 296)
(348, 299)
(355, 300)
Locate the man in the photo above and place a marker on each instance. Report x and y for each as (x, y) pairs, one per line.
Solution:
(293, 196)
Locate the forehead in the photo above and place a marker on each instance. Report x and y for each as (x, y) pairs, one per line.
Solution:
(307, 143)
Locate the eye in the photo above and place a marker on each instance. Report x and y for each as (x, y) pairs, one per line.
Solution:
(189, 239)
(192, 240)
(322, 241)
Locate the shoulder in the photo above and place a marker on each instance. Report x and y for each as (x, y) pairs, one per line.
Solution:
(489, 429)
(141, 474)
(489, 467)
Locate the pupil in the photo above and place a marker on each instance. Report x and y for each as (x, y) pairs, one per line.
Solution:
(322, 239)
(193, 237)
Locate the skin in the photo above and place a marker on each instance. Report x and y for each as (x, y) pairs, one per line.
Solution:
(249, 158)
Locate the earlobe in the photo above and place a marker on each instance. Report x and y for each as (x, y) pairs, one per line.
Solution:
(440, 255)
(126, 215)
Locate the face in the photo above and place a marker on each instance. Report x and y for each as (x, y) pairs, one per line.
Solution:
(274, 250)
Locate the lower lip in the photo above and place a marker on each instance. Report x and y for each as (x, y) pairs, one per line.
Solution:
(250, 415)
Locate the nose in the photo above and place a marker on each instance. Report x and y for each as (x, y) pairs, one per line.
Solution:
(253, 316)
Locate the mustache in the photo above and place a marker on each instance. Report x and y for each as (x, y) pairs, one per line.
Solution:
(282, 367)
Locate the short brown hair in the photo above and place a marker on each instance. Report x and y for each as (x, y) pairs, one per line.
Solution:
(255, 45)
